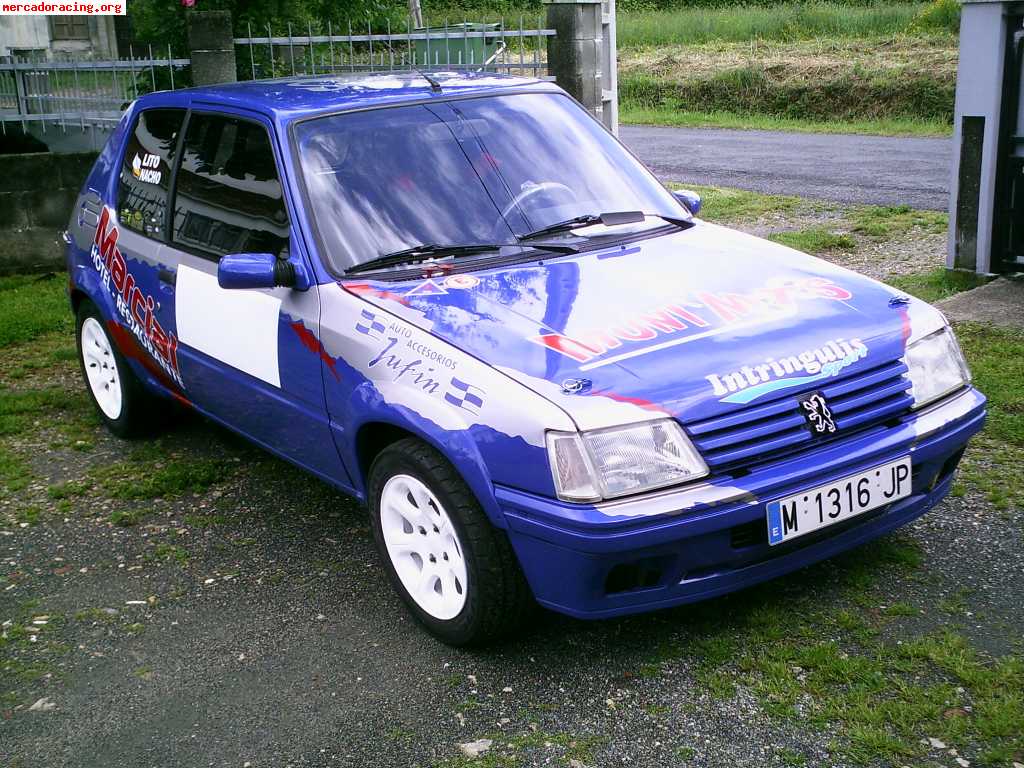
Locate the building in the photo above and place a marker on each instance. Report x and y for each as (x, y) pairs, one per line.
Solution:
(58, 37)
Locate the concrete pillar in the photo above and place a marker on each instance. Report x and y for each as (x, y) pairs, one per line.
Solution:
(575, 53)
(211, 45)
(976, 134)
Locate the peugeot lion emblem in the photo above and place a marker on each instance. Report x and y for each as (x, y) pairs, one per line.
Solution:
(819, 417)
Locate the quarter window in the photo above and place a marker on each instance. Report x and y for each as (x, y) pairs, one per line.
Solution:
(228, 197)
(146, 171)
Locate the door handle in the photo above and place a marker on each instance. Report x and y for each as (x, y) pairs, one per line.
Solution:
(167, 276)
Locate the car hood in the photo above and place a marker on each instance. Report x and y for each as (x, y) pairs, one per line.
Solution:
(693, 324)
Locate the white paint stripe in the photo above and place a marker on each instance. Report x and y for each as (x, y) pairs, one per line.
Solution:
(236, 327)
(672, 343)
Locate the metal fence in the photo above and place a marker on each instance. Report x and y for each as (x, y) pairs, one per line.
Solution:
(88, 92)
(91, 93)
(464, 46)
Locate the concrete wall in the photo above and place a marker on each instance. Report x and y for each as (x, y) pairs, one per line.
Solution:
(37, 193)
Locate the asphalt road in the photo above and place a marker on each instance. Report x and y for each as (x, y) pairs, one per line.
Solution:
(876, 170)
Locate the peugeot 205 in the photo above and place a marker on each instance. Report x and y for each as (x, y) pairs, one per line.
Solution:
(459, 299)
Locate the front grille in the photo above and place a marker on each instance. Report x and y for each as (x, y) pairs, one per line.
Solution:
(766, 431)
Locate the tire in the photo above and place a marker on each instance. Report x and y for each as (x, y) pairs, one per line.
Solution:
(121, 400)
(473, 592)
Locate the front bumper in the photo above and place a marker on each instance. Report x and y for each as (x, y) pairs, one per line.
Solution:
(693, 543)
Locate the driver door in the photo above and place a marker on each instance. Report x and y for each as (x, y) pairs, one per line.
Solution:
(250, 357)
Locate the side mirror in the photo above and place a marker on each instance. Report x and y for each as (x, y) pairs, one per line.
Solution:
(689, 199)
(255, 270)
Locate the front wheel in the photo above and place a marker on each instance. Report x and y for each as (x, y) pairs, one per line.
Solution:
(455, 571)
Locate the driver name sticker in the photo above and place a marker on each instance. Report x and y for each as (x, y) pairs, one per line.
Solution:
(145, 169)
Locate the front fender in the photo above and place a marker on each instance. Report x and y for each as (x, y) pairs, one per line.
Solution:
(420, 418)
(392, 371)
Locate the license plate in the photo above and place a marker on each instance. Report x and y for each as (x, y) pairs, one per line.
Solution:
(826, 505)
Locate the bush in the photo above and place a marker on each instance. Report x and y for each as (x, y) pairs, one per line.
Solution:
(940, 15)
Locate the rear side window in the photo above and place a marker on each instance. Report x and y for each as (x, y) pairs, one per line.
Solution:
(228, 197)
(146, 171)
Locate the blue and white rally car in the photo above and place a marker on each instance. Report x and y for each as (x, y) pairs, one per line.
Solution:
(460, 300)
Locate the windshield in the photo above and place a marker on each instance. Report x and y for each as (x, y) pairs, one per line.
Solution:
(475, 171)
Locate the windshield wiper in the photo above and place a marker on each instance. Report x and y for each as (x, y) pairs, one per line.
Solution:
(608, 219)
(419, 253)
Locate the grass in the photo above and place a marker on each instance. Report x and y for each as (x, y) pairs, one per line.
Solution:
(851, 80)
(884, 222)
(996, 357)
(725, 204)
(815, 240)
(31, 305)
(826, 666)
(937, 284)
(758, 88)
(784, 22)
(131, 480)
(675, 114)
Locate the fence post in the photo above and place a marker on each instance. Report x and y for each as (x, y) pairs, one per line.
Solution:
(211, 46)
(575, 52)
(20, 89)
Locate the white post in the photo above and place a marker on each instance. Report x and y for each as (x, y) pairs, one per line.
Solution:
(609, 69)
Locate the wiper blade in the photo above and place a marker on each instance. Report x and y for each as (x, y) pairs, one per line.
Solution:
(608, 219)
(419, 253)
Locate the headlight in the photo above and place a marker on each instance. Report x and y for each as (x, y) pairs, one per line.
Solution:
(606, 463)
(937, 367)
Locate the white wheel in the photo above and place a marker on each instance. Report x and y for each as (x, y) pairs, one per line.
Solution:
(423, 546)
(101, 368)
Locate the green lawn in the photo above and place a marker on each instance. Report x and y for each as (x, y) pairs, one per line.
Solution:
(676, 116)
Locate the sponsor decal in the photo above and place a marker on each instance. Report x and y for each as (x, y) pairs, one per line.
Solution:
(701, 315)
(134, 306)
(465, 396)
(146, 168)
(818, 415)
(461, 282)
(752, 381)
(408, 359)
(427, 288)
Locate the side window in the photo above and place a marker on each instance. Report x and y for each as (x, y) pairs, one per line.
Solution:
(228, 197)
(146, 171)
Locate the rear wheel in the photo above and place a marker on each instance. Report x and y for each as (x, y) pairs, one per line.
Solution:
(123, 404)
(454, 570)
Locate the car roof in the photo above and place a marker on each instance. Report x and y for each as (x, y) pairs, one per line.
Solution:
(295, 97)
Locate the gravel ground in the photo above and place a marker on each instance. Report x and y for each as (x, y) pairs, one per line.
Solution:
(278, 642)
(909, 252)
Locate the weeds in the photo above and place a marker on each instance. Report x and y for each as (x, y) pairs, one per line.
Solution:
(815, 240)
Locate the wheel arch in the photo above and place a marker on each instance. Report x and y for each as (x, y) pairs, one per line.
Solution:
(458, 448)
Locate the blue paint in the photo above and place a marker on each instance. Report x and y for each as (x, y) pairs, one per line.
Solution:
(247, 270)
(481, 368)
